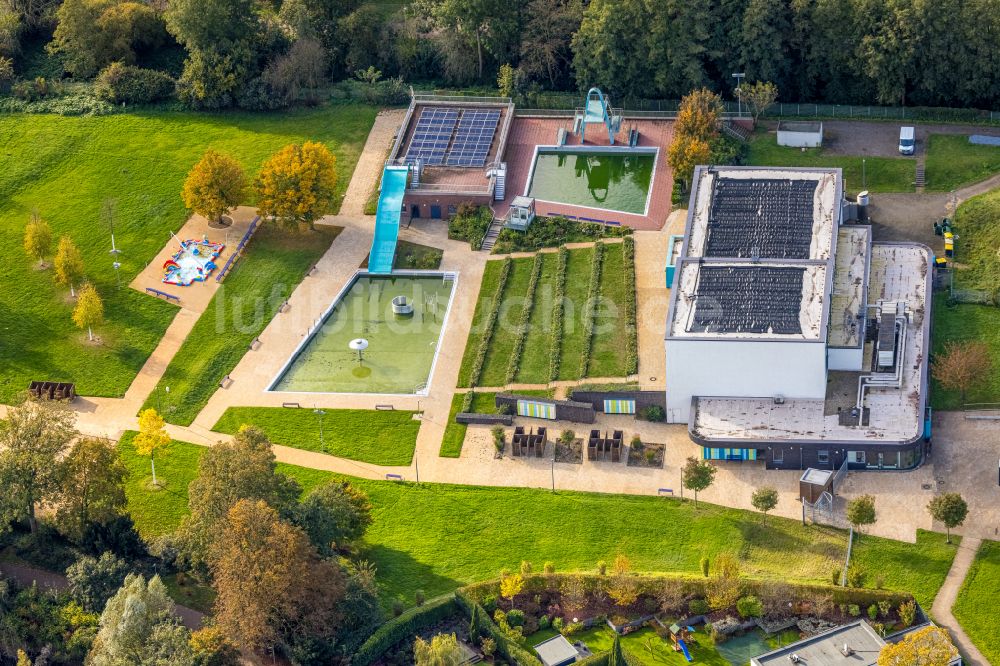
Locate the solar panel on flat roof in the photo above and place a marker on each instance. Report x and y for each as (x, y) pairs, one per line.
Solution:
(761, 218)
(748, 299)
(431, 135)
(473, 138)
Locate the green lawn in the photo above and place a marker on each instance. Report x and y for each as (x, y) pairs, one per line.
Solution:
(273, 265)
(967, 322)
(953, 162)
(482, 403)
(66, 167)
(977, 600)
(437, 537)
(487, 288)
(577, 281)
(977, 225)
(919, 571)
(504, 336)
(534, 368)
(882, 174)
(376, 437)
(608, 356)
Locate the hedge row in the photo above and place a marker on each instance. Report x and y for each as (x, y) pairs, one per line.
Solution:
(514, 364)
(467, 401)
(558, 307)
(631, 329)
(491, 322)
(407, 625)
(506, 647)
(590, 308)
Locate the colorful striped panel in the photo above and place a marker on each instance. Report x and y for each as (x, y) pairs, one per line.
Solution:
(708, 453)
(536, 410)
(619, 406)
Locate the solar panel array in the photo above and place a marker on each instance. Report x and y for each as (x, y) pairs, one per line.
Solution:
(453, 137)
(761, 218)
(748, 299)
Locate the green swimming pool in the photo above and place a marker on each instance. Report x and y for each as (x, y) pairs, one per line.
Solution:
(617, 181)
(401, 348)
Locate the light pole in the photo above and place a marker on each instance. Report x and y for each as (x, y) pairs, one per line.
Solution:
(109, 213)
(864, 174)
(739, 76)
(320, 413)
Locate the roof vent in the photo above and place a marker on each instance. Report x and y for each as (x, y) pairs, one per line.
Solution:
(846, 650)
(794, 658)
(779, 399)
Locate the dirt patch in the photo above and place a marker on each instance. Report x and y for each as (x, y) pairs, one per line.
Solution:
(570, 453)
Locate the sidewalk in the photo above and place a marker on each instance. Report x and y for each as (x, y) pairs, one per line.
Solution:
(947, 596)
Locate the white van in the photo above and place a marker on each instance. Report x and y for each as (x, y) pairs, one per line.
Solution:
(907, 142)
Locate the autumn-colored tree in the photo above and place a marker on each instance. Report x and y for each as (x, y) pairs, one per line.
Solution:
(699, 115)
(334, 515)
(89, 310)
(685, 153)
(93, 487)
(442, 650)
(214, 185)
(269, 580)
(68, 264)
(697, 475)
(37, 239)
(861, 512)
(724, 588)
(297, 185)
(622, 585)
(930, 646)
(764, 499)
(962, 366)
(759, 95)
(211, 647)
(949, 509)
(574, 592)
(152, 437)
(511, 585)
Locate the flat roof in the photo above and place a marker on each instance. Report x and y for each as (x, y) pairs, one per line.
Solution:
(803, 126)
(758, 254)
(816, 477)
(825, 649)
(556, 650)
(850, 279)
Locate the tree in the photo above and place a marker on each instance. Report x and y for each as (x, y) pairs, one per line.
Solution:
(724, 587)
(89, 310)
(546, 51)
(699, 115)
(37, 239)
(269, 581)
(764, 499)
(962, 366)
(608, 47)
(697, 475)
(244, 468)
(138, 626)
(622, 585)
(92, 581)
(759, 95)
(33, 439)
(490, 26)
(511, 586)
(211, 647)
(333, 516)
(212, 25)
(930, 646)
(442, 650)
(68, 264)
(93, 33)
(152, 437)
(764, 40)
(861, 511)
(93, 487)
(684, 154)
(298, 74)
(679, 37)
(949, 509)
(888, 47)
(617, 656)
(214, 185)
(296, 186)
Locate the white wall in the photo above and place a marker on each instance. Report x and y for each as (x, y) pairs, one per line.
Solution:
(800, 139)
(741, 369)
(845, 359)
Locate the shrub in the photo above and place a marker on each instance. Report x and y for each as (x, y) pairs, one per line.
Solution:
(835, 574)
(705, 566)
(515, 618)
(419, 598)
(653, 413)
(853, 610)
(258, 95)
(389, 92)
(879, 582)
(397, 607)
(631, 329)
(557, 624)
(602, 567)
(856, 576)
(514, 362)
(590, 308)
(558, 307)
(544, 622)
(499, 439)
(567, 437)
(637, 443)
(525, 568)
(549, 568)
(572, 628)
(873, 612)
(467, 401)
(908, 612)
(489, 603)
(650, 456)
(470, 223)
(403, 627)
(39, 88)
(884, 607)
(490, 325)
(749, 606)
(118, 83)
(489, 646)
(698, 607)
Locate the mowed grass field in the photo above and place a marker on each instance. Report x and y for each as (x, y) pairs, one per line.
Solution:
(953, 162)
(436, 537)
(959, 323)
(377, 437)
(608, 354)
(977, 600)
(66, 168)
(482, 403)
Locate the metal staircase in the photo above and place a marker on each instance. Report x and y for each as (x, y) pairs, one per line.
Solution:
(736, 131)
(920, 179)
(491, 235)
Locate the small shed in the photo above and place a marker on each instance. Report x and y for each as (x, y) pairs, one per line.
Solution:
(800, 134)
(814, 483)
(674, 246)
(521, 213)
(557, 651)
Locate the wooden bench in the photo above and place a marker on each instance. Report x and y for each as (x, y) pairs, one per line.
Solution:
(164, 295)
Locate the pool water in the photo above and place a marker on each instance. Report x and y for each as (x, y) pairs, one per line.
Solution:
(401, 349)
(616, 181)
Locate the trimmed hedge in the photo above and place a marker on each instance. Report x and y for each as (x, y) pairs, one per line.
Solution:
(558, 309)
(405, 626)
(631, 329)
(491, 322)
(506, 647)
(590, 308)
(514, 364)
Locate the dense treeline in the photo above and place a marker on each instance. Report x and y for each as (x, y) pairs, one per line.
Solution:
(267, 53)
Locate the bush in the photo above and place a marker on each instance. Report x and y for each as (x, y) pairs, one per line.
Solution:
(705, 565)
(499, 439)
(749, 606)
(467, 401)
(515, 618)
(125, 84)
(853, 610)
(590, 308)
(572, 628)
(835, 576)
(856, 576)
(39, 88)
(402, 628)
(652, 413)
(514, 362)
(557, 624)
(698, 607)
(549, 568)
(559, 304)
(390, 92)
(908, 612)
(398, 607)
(631, 328)
(490, 324)
(544, 622)
(873, 612)
(602, 567)
(258, 95)
(419, 598)
(567, 437)
(470, 223)
(553, 232)
(489, 646)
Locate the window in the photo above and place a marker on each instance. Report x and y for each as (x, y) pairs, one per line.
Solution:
(452, 210)
(858, 457)
(778, 457)
(823, 457)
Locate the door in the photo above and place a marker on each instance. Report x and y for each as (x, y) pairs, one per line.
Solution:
(414, 211)
(435, 212)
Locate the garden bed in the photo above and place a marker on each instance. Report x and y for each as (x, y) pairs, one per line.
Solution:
(646, 455)
(569, 453)
(553, 232)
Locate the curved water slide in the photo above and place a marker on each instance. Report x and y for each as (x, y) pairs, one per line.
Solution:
(390, 207)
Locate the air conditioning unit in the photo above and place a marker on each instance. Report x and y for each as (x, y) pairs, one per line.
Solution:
(779, 399)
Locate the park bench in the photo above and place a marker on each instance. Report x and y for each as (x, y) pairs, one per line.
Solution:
(164, 295)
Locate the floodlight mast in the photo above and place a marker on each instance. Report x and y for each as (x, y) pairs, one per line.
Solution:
(739, 76)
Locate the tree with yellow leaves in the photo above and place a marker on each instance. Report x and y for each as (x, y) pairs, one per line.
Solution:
(297, 184)
(699, 115)
(89, 310)
(152, 437)
(37, 239)
(623, 586)
(510, 586)
(685, 153)
(68, 264)
(930, 646)
(215, 185)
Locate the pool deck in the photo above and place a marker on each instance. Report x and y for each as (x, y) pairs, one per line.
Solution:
(527, 133)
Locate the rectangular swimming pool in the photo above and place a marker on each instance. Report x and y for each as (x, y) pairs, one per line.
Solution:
(402, 348)
(614, 179)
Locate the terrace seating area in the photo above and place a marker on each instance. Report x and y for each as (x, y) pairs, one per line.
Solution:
(531, 443)
(604, 448)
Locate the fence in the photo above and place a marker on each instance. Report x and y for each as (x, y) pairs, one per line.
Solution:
(238, 251)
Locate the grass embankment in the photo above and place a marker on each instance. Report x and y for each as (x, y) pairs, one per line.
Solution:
(978, 595)
(960, 323)
(66, 168)
(881, 174)
(482, 403)
(273, 265)
(437, 537)
(953, 162)
(376, 437)
(919, 570)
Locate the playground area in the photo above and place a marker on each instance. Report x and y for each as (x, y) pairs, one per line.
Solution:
(193, 262)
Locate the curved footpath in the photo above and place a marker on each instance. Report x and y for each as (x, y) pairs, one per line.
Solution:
(948, 594)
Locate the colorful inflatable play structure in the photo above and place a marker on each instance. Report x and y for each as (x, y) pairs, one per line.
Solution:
(194, 262)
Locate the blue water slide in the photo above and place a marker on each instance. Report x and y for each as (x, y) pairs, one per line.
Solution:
(684, 649)
(390, 206)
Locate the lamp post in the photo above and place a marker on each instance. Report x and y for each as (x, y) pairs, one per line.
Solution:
(739, 76)
(320, 413)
